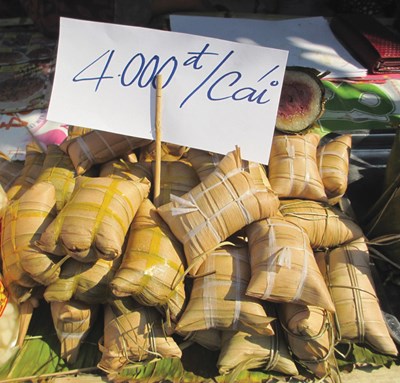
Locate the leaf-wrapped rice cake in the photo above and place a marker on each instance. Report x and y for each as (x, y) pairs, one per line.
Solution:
(348, 276)
(152, 268)
(95, 221)
(98, 147)
(292, 167)
(226, 201)
(283, 268)
(217, 298)
(311, 336)
(72, 321)
(23, 222)
(58, 169)
(325, 225)
(133, 333)
(333, 160)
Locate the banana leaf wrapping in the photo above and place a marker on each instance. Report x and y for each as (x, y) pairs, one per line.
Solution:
(243, 350)
(226, 201)
(152, 268)
(283, 268)
(32, 167)
(97, 147)
(23, 222)
(348, 276)
(217, 298)
(126, 169)
(169, 152)
(203, 162)
(134, 335)
(94, 222)
(310, 333)
(58, 169)
(9, 171)
(177, 178)
(85, 282)
(333, 161)
(325, 225)
(292, 167)
(72, 321)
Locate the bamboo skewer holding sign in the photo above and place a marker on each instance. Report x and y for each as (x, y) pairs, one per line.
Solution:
(157, 175)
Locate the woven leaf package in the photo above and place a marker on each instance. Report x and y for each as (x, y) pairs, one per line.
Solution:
(23, 222)
(311, 337)
(333, 161)
(132, 335)
(251, 350)
(95, 221)
(292, 167)
(348, 276)
(283, 268)
(58, 169)
(85, 282)
(121, 168)
(97, 147)
(3, 200)
(152, 267)
(217, 299)
(225, 202)
(72, 321)
(325, 225)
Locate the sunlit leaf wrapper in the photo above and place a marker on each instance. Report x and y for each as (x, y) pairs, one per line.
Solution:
(283, 268)
(153, 264)
(94, 223)
(226, 201)
(348, 276)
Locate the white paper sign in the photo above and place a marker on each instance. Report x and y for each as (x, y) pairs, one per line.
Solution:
(215, 94)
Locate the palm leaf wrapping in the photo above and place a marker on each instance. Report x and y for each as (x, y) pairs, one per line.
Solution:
(348, 276)
(333, 161)
(310, 333)
(76, 131)
(97, 147)
(152, 268)
(72, 321)
(169, 152)
(225, 202)
(283, 268)
(217, 298)
(24, 220)
(31, 170)
(250, 350)
(325, 225)
(178, 178)
(58, 169)
(82, 281)
(95, 221)
(133, 333)
(9, 171)
(292, 167)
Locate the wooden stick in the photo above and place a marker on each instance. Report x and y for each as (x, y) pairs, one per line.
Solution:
(157, 169)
